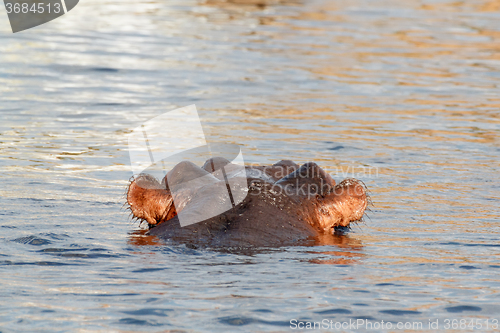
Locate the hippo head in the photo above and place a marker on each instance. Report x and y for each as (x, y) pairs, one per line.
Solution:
(282, 204)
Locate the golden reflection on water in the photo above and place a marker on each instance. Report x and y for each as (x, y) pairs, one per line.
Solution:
(350, 249)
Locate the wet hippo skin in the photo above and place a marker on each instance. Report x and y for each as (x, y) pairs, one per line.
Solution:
(285, 205)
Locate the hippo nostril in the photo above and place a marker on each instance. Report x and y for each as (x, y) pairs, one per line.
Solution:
(149, 201)
(341, 205)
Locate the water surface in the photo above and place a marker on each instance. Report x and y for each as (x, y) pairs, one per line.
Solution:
(401, 94)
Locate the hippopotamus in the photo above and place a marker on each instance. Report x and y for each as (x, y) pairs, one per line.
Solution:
(284, 205)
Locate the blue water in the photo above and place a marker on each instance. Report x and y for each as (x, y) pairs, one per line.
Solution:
(402, 95)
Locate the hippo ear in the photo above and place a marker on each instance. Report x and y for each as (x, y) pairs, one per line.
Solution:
(281, 169)
(185, 172)
(289, 164)
(215, 163)
(149, 200)
(308, 180)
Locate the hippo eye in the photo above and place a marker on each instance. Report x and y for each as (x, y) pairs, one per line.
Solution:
(256, 184)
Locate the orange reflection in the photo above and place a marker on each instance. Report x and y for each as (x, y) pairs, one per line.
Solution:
(140, 238)
(348, 253)
(349, 250)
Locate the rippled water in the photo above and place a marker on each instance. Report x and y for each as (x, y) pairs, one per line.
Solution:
(401, 94)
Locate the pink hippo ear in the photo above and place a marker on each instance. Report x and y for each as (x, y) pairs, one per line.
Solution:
(149, 200)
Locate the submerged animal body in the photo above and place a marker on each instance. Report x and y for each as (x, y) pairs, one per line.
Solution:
(283, 205)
